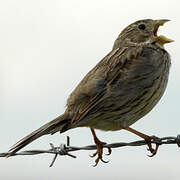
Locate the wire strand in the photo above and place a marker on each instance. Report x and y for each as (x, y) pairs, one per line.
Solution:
(64, 149)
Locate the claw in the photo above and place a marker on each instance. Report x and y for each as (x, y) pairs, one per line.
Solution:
(97, 160)
(150, 155)
(150, 148)
(147, 139)
(99, 151)
(93, 155)
(104, 161)
(109, 151)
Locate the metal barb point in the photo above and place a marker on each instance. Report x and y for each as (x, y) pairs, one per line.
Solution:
(61, 150)
(178, 140)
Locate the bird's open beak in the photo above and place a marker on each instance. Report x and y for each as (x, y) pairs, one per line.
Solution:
(160, 39)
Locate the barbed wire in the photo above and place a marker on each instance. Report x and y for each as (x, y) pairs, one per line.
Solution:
(64, 149)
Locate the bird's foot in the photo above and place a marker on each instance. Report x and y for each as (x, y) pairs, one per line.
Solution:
(100, 146)
(149, 143)
(148, 140)
(99, 152)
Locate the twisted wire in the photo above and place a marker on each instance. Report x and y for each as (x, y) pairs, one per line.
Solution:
(64, 149)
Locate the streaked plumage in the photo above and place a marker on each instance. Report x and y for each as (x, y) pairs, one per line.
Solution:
(123, 87)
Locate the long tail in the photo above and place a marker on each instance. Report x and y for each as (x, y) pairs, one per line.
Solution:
(58, 124)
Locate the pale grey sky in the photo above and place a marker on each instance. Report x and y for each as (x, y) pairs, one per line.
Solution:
(46, 47)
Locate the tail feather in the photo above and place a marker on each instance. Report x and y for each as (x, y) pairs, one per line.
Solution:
(52, 127)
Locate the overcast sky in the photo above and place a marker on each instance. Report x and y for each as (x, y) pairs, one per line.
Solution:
(46, 47)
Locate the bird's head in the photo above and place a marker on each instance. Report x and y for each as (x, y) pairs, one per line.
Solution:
(142, 31)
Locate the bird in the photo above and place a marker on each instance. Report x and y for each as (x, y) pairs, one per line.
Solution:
(122, 88)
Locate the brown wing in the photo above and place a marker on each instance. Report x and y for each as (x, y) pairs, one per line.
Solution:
(91, 90)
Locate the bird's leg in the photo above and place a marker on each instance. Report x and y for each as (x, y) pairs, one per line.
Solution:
(99, 151)
(147, 139)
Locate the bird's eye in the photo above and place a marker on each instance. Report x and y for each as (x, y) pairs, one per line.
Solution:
(142, 27)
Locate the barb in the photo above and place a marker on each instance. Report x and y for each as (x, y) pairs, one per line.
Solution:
(64, 149)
